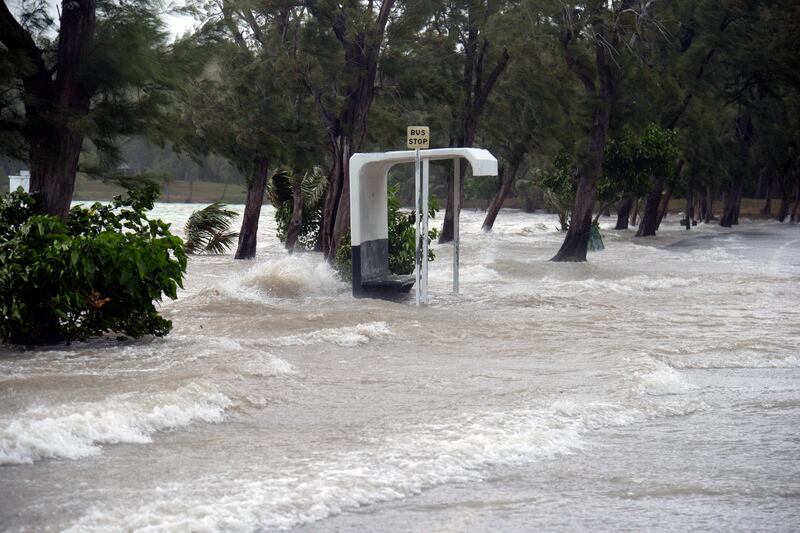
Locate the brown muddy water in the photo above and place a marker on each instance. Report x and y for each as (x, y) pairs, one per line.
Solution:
(654, 388)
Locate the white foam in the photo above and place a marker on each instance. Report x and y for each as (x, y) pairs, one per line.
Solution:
(293, 276)
(344, 336)
(266, 366)
(663, 380)
(630, 284)
(75, 430)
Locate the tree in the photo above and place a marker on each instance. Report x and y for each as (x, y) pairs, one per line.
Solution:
(108, 73)
(588, 30)
(468, 25)
(342, 84)
(250, 106)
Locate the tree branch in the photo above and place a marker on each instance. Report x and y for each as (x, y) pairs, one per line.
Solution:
(17, 39)
(480, 99)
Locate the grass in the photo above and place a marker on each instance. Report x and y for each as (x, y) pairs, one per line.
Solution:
(201, 192)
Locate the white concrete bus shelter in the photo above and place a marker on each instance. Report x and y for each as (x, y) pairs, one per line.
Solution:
(369, 217)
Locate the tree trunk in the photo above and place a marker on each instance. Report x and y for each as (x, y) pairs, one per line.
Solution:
(664, 209)
(783, 211)
(296, 222)
(509, 173)
(708, 206)
(252, 209)
(57, 107)
(689, 211)
(767, 210)
(336, 211)
(733, 198)
(624, 212)
(635, 213)
(476, 93)
(649, 222)
(796, 202)
(730, 209)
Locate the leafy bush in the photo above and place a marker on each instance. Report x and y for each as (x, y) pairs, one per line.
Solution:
(558, 186)
(402, 234)
(312, 188)
(208, 230)
(100, 271)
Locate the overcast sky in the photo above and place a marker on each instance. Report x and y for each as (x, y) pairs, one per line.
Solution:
(176, 24)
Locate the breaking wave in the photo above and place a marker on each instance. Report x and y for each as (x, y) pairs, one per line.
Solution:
(401, 465)
(344, 336)
(75, 430)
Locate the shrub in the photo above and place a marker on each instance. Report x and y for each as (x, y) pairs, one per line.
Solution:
(312, 188)
(558, 185)
(402, 248)
(100, 271)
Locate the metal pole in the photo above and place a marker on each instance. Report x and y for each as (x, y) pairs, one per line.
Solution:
(417, 205)
(426, 165)
(456, 217)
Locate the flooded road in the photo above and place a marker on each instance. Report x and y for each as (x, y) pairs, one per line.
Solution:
(656, 387)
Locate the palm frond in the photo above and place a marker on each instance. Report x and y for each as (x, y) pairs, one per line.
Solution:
(208, 230)
(313, 186)
(279, 187)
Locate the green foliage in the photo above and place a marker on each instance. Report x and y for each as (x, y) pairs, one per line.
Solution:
(558, 185)
(99, 272)
(208, 230)
(402, 234)
(312, 188)
(630, 160)
(479, 188)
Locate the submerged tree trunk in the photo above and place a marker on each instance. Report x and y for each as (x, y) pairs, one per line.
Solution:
(707, 205)
(252, 209)
(783, 210)
(624, 212)
(767, 210)
(664, 209)
(336, 211)
(635, 212)
(576, 241)
(508, 175)
(296, 222)
(733, 198)
(730, 209)
(54, 107)
(689, 211)
(649, 223)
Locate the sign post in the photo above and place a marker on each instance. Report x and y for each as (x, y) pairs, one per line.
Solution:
(417, 138)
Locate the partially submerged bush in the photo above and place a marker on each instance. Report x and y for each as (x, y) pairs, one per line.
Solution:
(99, 272)
(312, 189)
(402, 248)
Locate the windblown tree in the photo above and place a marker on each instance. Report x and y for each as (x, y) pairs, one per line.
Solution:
(471, 26)
(342, 48)
(589, 33)
(250, 107)
(527, 120)
(103, 70)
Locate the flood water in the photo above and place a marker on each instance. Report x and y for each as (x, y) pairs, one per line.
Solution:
(654, 388)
